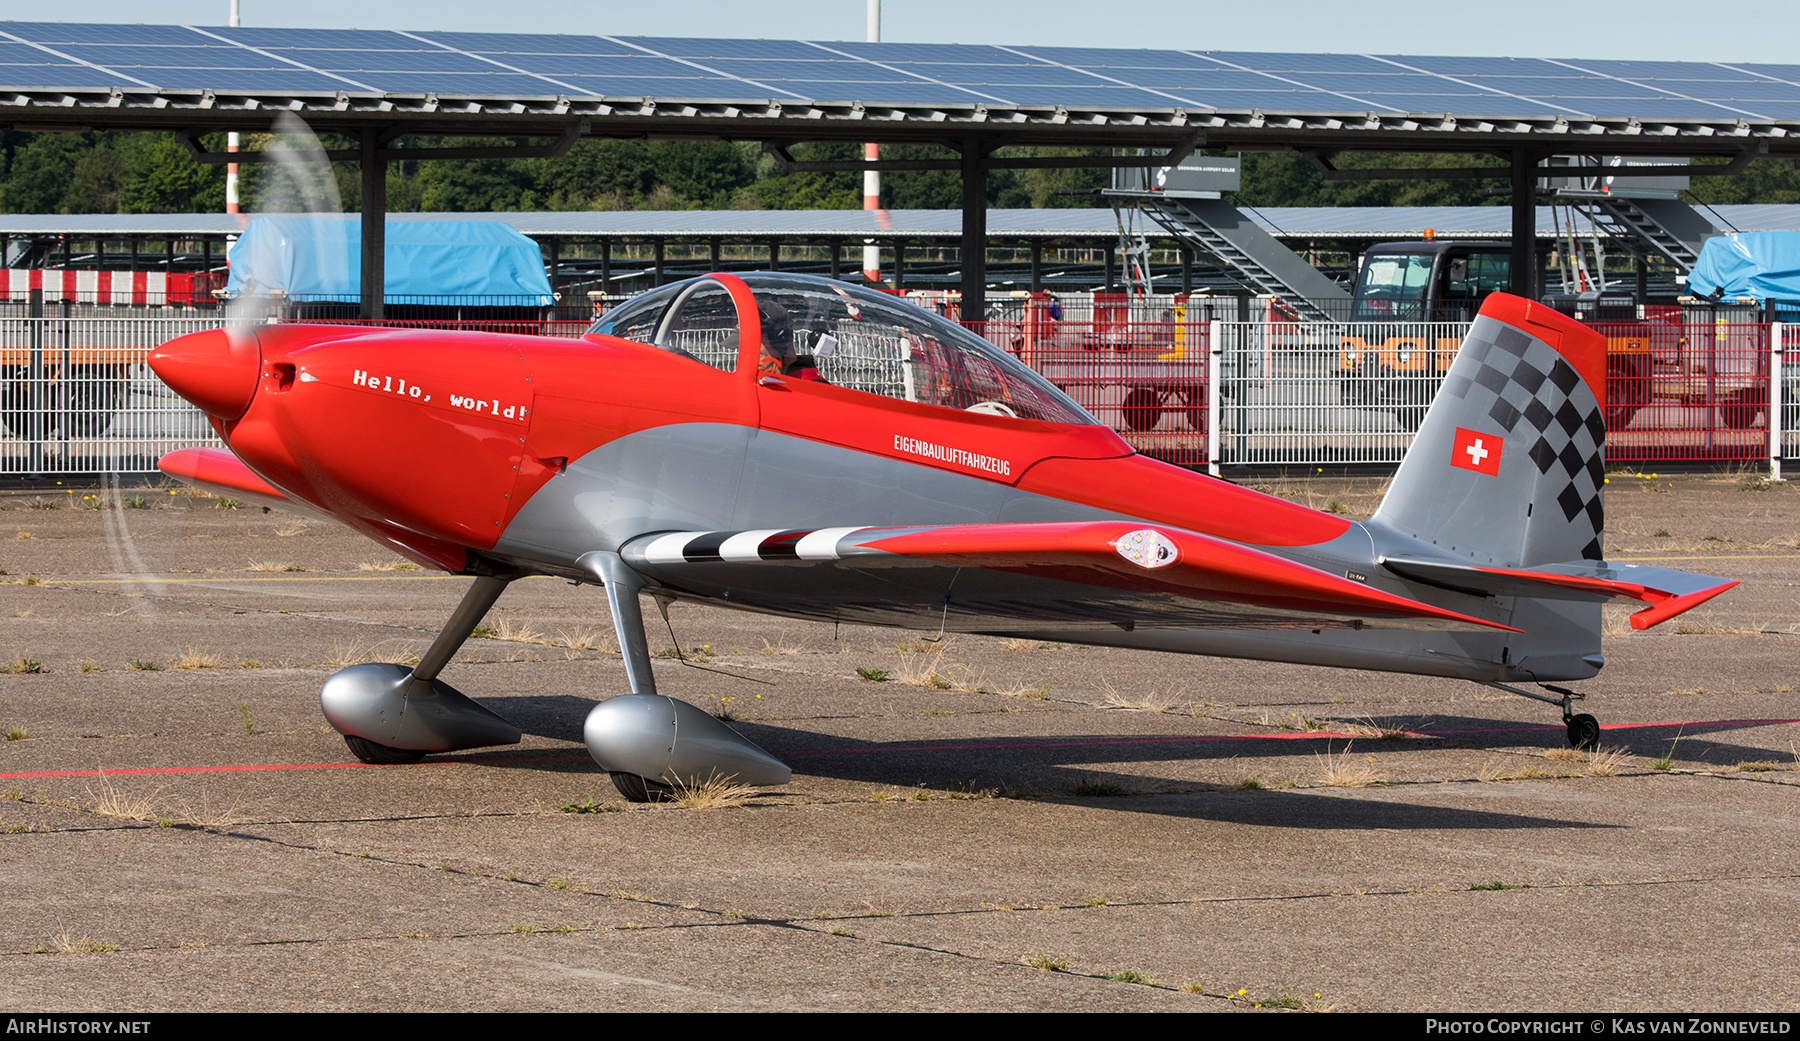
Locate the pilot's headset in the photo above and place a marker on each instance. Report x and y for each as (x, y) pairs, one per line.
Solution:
(777, 331)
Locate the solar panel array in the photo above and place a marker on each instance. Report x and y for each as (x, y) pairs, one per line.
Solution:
(42, 56)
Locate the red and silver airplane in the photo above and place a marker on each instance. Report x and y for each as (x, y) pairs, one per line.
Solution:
(801, 447)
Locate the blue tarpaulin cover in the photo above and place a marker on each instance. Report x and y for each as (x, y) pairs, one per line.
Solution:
(320, 258)
(1760, 264)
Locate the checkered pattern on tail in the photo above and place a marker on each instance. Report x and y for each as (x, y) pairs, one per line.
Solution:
(1545, 504)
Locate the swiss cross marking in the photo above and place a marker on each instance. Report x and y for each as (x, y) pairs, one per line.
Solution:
(1476, 451)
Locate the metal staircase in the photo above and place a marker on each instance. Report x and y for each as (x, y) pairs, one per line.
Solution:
(1662, 227)
(1250, 254)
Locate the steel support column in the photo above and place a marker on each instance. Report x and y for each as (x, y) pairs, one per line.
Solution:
(1524, 223)
(374, 225)
(974, 231)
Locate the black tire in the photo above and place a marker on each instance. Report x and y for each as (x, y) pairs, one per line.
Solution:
(1141, 410)
(1627, 390)
(381, 755)
(1618, 417)
(1741, 411)
(15, 404)
(641, 789)
(1196, 411)
(1584, 732)
(95, 396)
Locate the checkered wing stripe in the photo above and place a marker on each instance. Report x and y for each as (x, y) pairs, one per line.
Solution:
(700, 547)
(1526, 387)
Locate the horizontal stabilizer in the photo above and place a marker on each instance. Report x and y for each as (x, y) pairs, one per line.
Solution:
(1668, 593)
(1114, 555)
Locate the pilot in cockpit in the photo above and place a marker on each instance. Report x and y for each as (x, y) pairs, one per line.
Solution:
(778, 349)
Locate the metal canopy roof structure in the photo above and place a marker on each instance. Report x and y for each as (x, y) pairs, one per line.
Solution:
(463, 83)
(383, 85)
(1294, 223)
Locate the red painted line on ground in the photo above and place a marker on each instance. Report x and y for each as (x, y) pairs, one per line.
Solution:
(969, 746)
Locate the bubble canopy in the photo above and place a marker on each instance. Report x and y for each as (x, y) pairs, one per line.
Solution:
(846, 336)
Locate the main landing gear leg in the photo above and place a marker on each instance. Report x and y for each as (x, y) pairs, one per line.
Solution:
(392, 714)
(653, 744)
(1583, 729)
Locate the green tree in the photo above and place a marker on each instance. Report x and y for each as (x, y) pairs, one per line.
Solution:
(1762, 181)
(39, 175)
(161, 177)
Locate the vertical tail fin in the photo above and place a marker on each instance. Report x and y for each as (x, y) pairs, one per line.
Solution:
(1509, 465)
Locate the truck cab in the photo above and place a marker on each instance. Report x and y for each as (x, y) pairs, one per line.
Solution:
(1429, 281)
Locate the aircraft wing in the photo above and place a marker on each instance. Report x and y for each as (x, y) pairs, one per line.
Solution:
(1019, 577)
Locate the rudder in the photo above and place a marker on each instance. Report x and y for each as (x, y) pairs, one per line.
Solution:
(1509, 466)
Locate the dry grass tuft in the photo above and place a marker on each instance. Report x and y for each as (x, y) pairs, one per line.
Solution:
(211, 817)
(291, 528)
(270, 565)
(1751, 766)
(714, 793)
(21, 665)
(1367, 727)
(192, 658)
(67, 944)
(1608, 762)
(585, 639)
(517, 632)
(391, 565)
(1148, 701)
(922, 673)
(1563, 755)
(1017, 644)
(783, 646)
(1036, 693)
(353, 652)
(1341, 771)
(113, 802)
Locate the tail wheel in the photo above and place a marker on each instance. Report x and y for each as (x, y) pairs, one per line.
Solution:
(381, 755)
(641, 789)
(1142, 409)
(1584, 731)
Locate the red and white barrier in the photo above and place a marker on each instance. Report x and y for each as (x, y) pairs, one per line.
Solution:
(124, 288)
